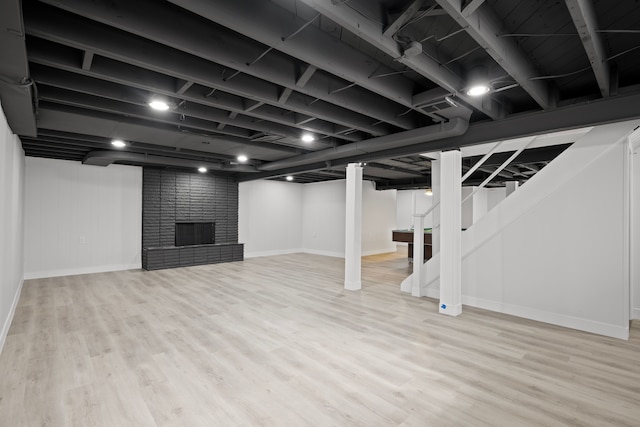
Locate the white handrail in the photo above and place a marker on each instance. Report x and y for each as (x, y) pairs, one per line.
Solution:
(481, 161)
(428, 211)
(467, 175)
(418, 222)
(497, 171)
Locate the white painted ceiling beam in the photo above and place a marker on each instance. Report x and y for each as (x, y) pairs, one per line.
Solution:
(586, 23)
(484, 26)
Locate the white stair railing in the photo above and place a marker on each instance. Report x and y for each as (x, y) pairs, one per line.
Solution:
(419, 269)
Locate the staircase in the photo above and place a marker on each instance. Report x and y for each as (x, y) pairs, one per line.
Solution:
(557, 249)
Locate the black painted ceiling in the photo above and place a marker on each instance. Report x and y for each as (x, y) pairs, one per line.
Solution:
(374, 81)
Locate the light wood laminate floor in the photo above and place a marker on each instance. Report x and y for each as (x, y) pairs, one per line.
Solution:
(277, 341)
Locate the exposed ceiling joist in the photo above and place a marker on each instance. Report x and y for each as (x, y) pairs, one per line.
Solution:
(609, 110)
(256, 83)
(130, 76)
(16, 92)
(284, 95)
(267, 25)
(372, 32)
(252, 105)
(104, 89)
(440, 131)
(182, 86)
(409, 11)
(193, 121)
(306, 75)
(395, 168)
(87, 59)
(586, 23)
(92, 143)
(81, 34)
(484, 27)
(99, 123)
(470, 6)
(502, 173)
(278, 28)
(105, 158)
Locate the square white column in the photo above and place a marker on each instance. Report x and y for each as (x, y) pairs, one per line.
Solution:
(511, 186)
(435, 188)
(450, 233)
(353, 229)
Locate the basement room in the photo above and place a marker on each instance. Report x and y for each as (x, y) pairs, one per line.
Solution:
(319, 213)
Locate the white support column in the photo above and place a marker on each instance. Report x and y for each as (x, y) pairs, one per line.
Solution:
(435, 187)
(418, 255)
(353, 228)
(512, 186)
(450, 233)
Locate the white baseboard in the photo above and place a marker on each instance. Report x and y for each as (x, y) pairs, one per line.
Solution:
(341, 254)
(563, 320)
(81, 270)
(386, 250)
(272, 253)
(325, 253)
(635, 313)
(317, 252)
(9, 319)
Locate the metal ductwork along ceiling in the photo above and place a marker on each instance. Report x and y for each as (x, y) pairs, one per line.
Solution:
(449, 129)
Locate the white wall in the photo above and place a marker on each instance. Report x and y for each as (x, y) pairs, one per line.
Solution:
(635, 230)
(270, 217)
(285, 217)
(323, 212)
(466, 210)
(81, 219)
(404, 215)
(495, 196)
(554, 250)
(378, 219)
(472, 210)
(324, 218)
(11, 224)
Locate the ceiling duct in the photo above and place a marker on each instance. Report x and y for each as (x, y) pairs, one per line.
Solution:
(454, 127)
(105, 158)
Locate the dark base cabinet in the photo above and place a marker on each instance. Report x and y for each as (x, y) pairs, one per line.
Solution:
(171, 256)
(407, 236)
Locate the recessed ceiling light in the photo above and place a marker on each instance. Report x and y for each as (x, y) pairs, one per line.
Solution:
(118, 143)
(289, 178)
(242, 158)
(202, 169)
(307, 137)
(159, 105)
(428, 192)
(478, 90)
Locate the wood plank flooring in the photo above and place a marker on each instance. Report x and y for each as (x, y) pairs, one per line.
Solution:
(277, 341)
